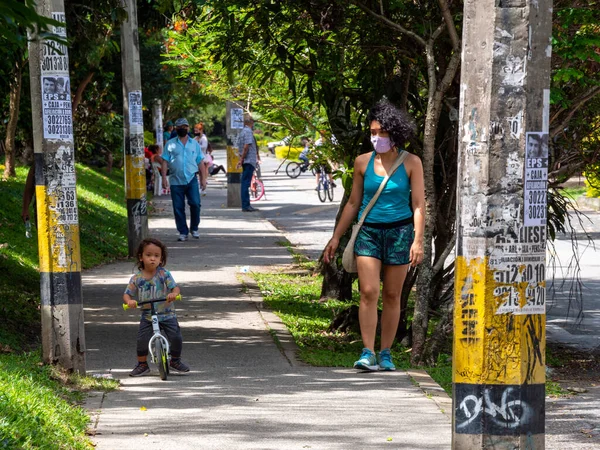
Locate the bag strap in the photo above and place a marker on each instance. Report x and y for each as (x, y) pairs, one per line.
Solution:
(399, 160)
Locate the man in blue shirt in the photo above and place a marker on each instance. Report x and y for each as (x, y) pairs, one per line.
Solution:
(183, 157)
(249, 157)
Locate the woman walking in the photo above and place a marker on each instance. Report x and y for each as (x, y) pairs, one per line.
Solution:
(391, 237)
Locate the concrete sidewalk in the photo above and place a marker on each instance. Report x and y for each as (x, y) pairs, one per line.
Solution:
(244, 391)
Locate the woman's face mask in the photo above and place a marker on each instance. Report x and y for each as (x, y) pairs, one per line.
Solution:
(381, 144)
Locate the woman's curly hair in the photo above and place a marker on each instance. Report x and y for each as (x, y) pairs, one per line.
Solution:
(395, 121)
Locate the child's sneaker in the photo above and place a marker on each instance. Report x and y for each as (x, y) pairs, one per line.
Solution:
(139, 370)
(178, 365)
(367, 361)
(385, 360)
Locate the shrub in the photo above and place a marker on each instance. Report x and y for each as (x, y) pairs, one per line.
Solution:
(592, 180)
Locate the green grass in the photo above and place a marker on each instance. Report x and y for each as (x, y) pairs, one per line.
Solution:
(295, 299)
(574, 192)
(37, 406)
(38, 403)
(103, 238)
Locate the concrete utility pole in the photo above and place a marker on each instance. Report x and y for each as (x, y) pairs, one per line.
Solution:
(157, 123)
(500, 310)
(63, 340)
(133, 128)
(234, 124)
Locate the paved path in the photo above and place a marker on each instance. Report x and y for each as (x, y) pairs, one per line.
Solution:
(243, 392)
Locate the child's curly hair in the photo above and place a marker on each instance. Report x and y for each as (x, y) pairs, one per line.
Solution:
(144, 244)
(395, 121)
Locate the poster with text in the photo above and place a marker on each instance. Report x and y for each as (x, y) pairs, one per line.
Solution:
(57, 115)
(536, 179)
(237, 118)
(136, 114)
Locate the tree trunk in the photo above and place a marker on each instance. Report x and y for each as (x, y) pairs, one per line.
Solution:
(337, 283)
(11, 127)
(426, 273)
(79, 93)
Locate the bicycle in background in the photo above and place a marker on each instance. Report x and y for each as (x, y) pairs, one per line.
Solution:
(257, 187)
(325, 186)
(158, 346)
(295, 168)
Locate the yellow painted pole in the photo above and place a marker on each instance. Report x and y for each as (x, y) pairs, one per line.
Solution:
(500, 285)
(234, 124)
(63, 340)
(133, 130)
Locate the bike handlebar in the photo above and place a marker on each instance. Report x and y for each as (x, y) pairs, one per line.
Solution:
(147, 302)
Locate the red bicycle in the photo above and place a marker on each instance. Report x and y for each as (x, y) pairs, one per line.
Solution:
(257, 187)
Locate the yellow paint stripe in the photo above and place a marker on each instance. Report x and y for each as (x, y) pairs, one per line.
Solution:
(136, 177)
(58, 244)
(492, 348)
(233, 159)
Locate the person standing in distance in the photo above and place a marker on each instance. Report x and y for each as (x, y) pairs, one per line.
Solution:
(249, 158)
(183, 157)
(391, 237)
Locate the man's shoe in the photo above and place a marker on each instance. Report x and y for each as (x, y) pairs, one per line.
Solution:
(196, 234)
(139, 370)
(182, 237)
(250, 209)
(385, 360)
(178, 365)
(367, 361)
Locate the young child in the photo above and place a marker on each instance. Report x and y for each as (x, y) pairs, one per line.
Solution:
(213, 168)
(153, 281)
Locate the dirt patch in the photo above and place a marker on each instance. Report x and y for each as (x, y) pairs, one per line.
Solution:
(569, 366)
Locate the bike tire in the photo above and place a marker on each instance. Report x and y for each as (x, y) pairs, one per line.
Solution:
(322, 191)
(162, 360)
(257, 190)
(293, 169)
(314, 171)
(330, 191)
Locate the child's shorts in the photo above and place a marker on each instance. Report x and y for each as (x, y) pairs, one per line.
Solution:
(388, 242)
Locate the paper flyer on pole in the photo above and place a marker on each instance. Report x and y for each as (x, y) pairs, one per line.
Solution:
(56, 87)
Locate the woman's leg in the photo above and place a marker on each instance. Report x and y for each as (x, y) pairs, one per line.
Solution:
(369, 270)
(393, 280)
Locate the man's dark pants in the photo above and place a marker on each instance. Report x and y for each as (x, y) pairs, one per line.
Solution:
(247, 172)
(178, 196)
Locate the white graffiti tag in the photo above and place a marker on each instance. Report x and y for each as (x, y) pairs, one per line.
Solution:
(509, 414)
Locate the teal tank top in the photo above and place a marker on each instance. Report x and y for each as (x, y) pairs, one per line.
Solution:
(393, 203)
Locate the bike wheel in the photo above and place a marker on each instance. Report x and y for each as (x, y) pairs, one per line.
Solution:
(322, 191)
(330, 191)
(257, 190)
(162, 360)
(293, 169)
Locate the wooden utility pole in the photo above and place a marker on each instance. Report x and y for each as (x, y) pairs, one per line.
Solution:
(133, 129)
(63, 340)
(500, 288)
(234, 124)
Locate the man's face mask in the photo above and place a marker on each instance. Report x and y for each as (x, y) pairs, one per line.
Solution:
(181, 132)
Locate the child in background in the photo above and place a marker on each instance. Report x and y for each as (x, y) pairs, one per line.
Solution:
(213, 168)
(153, 281)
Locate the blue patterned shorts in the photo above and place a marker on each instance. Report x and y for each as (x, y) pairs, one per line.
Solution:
(389, 245)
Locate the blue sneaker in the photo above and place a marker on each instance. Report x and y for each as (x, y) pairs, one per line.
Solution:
(367, 361)
(385, 360)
